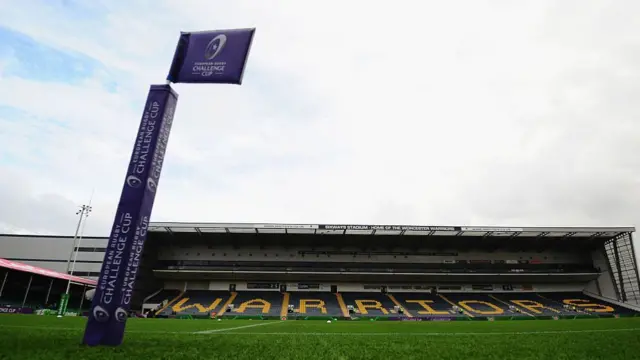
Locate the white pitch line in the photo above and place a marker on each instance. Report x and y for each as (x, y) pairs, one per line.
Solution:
(233, 328)
(433, 333)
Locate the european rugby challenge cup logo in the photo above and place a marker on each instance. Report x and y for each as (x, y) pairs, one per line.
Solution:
(215, 46)
(121, 314)
(102, 315)
(135, 182)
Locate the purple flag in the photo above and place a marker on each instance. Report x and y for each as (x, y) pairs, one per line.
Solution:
(212, 57)
(112, 299)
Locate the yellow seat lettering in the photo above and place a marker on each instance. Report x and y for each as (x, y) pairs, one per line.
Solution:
(428, 310)
(312, 303)
(466, 305)
(255, 304)
(533, 306)
(588, 305)
(181, 306)
(363, 305)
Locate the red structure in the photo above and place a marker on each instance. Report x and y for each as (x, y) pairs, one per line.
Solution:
(25, 287)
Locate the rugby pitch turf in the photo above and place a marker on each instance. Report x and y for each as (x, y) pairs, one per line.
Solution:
(47, 337)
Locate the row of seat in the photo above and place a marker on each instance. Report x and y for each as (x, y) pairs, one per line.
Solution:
(272, 303)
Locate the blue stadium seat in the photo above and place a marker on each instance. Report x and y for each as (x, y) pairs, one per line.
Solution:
(370, 304)
(425, 304)
(314, 303)
(478, 304)
(198, 302)
(264, 303)
(585, 304)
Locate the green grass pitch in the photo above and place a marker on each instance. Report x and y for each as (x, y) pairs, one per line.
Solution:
(47, 337)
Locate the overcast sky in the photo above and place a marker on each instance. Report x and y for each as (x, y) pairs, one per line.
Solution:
(517, 113)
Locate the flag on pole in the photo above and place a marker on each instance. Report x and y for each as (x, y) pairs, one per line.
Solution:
(212, 57)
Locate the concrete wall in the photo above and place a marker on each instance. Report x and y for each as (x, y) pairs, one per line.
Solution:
(52, 252)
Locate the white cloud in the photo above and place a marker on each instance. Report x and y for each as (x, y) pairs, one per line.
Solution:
(465, 112)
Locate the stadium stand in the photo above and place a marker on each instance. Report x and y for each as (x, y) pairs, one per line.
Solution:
(390, 272)
(376, 304)
(31, 288)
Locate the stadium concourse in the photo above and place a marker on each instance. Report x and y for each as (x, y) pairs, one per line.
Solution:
(27, 289)
(386, 272)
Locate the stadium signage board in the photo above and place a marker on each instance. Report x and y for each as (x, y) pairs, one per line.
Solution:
(484, 228)
(422, 318)
(15, 310)
(213, 57)
(389, 227)
(383, 227)
(376, 227)
(283, 226)
(54, 312)
(112, 299)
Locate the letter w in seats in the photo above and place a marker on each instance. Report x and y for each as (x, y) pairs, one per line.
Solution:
(180, 306)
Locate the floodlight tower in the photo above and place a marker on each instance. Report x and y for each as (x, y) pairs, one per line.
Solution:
(83, 214)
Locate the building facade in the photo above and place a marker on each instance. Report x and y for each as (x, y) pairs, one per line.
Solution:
(54, 253)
